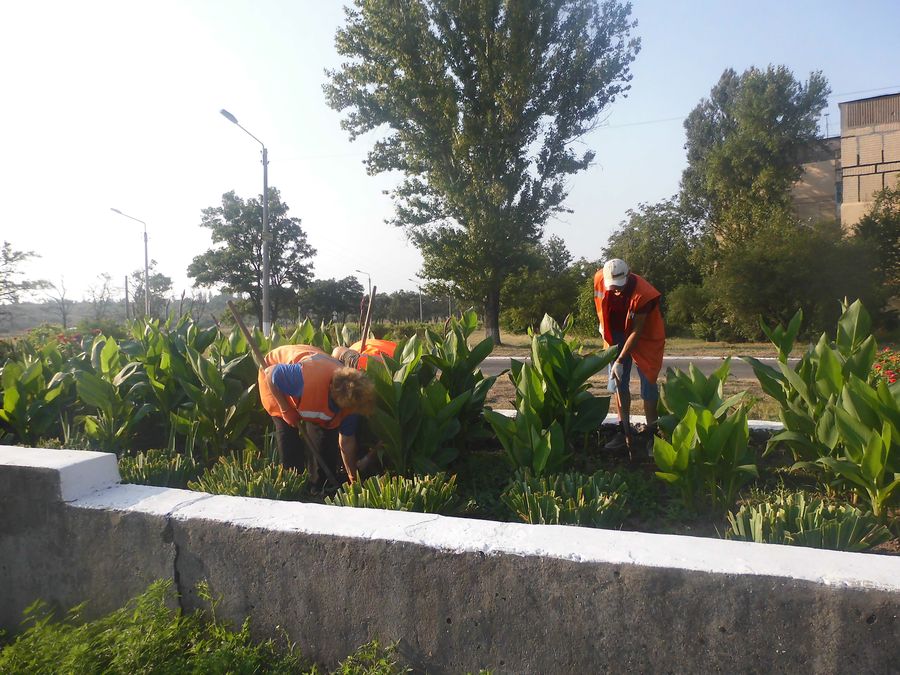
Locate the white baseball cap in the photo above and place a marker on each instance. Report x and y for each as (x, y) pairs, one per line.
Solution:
(615, 272)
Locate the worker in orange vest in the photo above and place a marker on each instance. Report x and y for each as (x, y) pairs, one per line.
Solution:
(630, 318)
(301, 384)
(357, 356)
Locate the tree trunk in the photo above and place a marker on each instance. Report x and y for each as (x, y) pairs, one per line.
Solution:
(492, 315)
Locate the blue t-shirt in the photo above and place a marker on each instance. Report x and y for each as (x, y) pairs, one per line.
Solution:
(288, 377)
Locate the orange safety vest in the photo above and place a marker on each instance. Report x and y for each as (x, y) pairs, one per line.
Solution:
(376, 348)
(648, 351)
(318, 370)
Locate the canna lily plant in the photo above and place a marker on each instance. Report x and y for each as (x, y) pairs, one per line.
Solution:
(839, 416)
(553, 405)
(707, 459)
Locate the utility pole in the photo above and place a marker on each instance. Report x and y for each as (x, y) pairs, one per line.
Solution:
(419, 286)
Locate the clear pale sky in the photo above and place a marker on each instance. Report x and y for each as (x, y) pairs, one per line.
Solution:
(115, 104)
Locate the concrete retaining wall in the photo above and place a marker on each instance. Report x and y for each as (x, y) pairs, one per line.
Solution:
(458, 594)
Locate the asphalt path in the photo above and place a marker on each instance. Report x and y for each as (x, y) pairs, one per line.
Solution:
(739, 370)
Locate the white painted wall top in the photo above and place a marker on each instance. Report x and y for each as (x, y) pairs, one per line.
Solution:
(80, 472)
(461, 535)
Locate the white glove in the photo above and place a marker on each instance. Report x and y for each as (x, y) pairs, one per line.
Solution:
(618, 371)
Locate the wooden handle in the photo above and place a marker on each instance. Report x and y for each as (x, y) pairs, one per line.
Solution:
(257, 355)
(365, 335)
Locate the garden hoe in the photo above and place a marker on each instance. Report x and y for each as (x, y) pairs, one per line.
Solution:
(261, 364)
(625, 418)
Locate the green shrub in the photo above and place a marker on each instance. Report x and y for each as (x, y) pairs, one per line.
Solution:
(568, 499)
(159, 467)
(144, 636)
(148, 636)
(370, 659)
(251, 475)
(425, 494)
(794, 519)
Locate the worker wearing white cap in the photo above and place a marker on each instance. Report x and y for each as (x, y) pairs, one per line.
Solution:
(630, 318)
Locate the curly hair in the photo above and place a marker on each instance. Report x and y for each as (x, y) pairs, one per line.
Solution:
(353, 390)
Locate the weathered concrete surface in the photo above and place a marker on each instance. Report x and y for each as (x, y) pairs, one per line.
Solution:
(67, 555)
(463, 594)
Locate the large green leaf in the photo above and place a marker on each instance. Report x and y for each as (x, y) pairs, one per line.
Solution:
(208, 373)
(854, 326)
(829, 375)
(798, 384)
(664, 454)
(860, 362)
(769, 378)
(109, 358)
(873, 461)
(481, 351)
(96, 392)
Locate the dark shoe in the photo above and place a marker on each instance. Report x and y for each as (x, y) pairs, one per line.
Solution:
(642, 445)
(616, 443)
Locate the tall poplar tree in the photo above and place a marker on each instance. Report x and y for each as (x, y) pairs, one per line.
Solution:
(234, 264)
(746, 146)
(478, 104)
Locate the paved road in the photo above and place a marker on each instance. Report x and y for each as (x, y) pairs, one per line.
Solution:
(740, 370)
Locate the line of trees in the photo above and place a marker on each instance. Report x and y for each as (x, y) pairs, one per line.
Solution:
(479, 105)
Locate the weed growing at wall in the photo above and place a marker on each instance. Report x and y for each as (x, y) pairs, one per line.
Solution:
(148, 636)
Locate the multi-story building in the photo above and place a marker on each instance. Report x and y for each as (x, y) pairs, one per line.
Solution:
(841, 177)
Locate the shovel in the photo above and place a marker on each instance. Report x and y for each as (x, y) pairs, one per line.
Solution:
(261, 364)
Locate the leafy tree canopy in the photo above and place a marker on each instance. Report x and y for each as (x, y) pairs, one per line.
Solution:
(160, 287)
(323, 298)
(548, 285)
(745, 148)
(658, 242)
(12, 281)
(479, 103)
(12, 285)
(778, 271)
(881, 227)
(234, 264)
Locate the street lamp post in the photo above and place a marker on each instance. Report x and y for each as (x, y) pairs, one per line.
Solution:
(419, 286)
(266, 236)
(146, 263)
(369, 277)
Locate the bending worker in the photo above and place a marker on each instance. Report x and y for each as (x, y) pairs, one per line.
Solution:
(357, 356)
(303, 385)
(630, 318)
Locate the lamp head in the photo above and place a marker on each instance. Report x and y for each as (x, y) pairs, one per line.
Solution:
(228, 116)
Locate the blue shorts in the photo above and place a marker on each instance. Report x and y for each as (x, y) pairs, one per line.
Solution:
(649, 390)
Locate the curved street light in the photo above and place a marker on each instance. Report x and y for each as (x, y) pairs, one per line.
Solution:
(146, 263)
(369, 276)
(266, 236)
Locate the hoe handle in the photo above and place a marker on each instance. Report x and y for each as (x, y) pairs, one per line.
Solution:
(365, 334)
